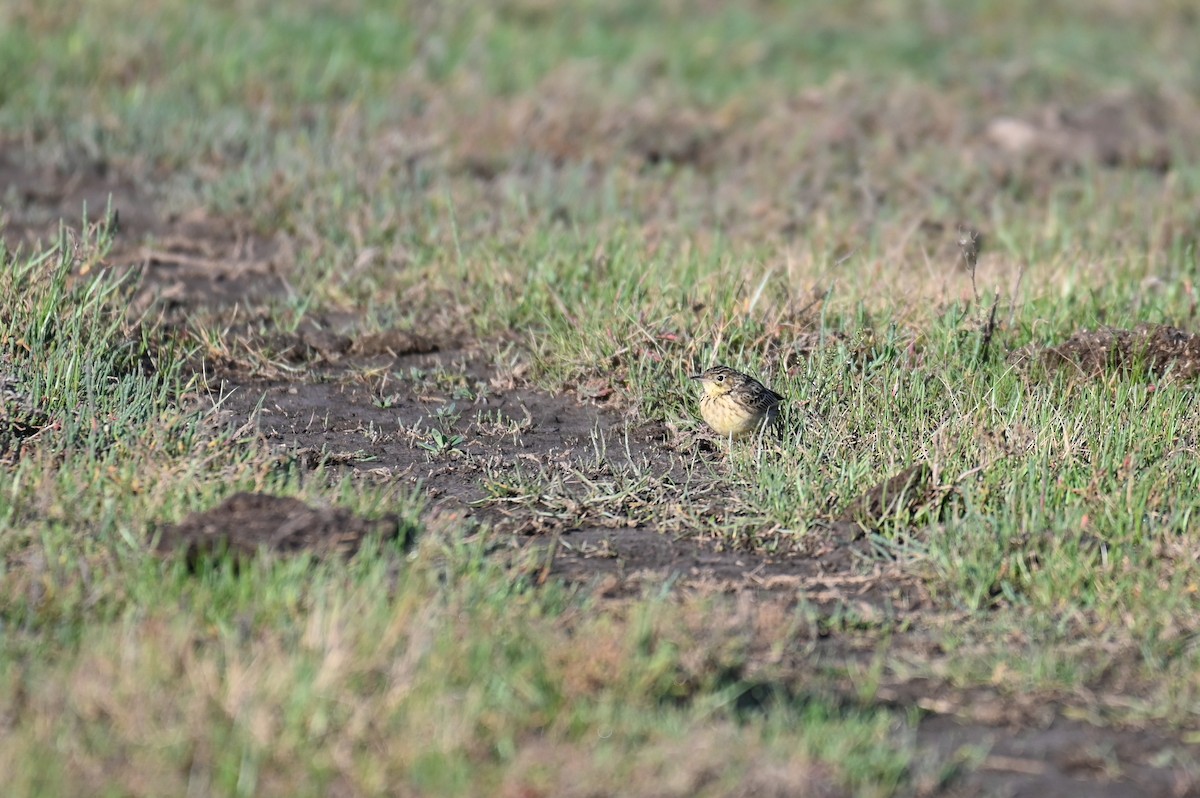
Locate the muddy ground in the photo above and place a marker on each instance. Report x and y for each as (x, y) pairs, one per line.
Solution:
(440, 415)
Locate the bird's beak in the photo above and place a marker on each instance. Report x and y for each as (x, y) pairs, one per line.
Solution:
(695, 376)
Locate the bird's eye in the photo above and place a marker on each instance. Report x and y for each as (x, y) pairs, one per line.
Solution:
(720, 378)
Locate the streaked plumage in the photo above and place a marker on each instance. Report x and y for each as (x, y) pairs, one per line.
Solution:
(735, 404)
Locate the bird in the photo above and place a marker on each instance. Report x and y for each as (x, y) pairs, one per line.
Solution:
(735, 404)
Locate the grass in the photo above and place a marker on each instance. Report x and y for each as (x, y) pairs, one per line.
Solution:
(607, 197)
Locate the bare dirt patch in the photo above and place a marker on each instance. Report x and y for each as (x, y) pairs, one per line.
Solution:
(181, 264)
(559, 124)
(1132, 130)
(247, 523)
(589, 488)
(1062, 757)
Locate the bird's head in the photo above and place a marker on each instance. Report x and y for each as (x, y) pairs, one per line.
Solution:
(718, 380)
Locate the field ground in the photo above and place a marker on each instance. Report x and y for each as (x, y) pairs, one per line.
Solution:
(348, 446)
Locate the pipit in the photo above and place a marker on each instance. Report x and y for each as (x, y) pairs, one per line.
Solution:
(735, 404)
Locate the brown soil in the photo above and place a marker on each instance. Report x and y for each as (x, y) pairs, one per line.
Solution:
(183, 264)
(247, 523)
(1162, 350)
(368, 406)
(379, 431)
(1122, 130)
(1061, 757)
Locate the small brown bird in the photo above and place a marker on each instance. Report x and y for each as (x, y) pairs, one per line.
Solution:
(735, 404)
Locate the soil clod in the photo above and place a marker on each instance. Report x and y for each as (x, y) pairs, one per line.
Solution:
(1162, 350)
(246, 524)
(903, 493)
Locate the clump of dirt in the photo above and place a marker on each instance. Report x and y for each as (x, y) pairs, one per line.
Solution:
(904, 493)
(315, 343)
(1160, 349)
(1132, 130)
(246, 524)
(20, 420)
(559, 123)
